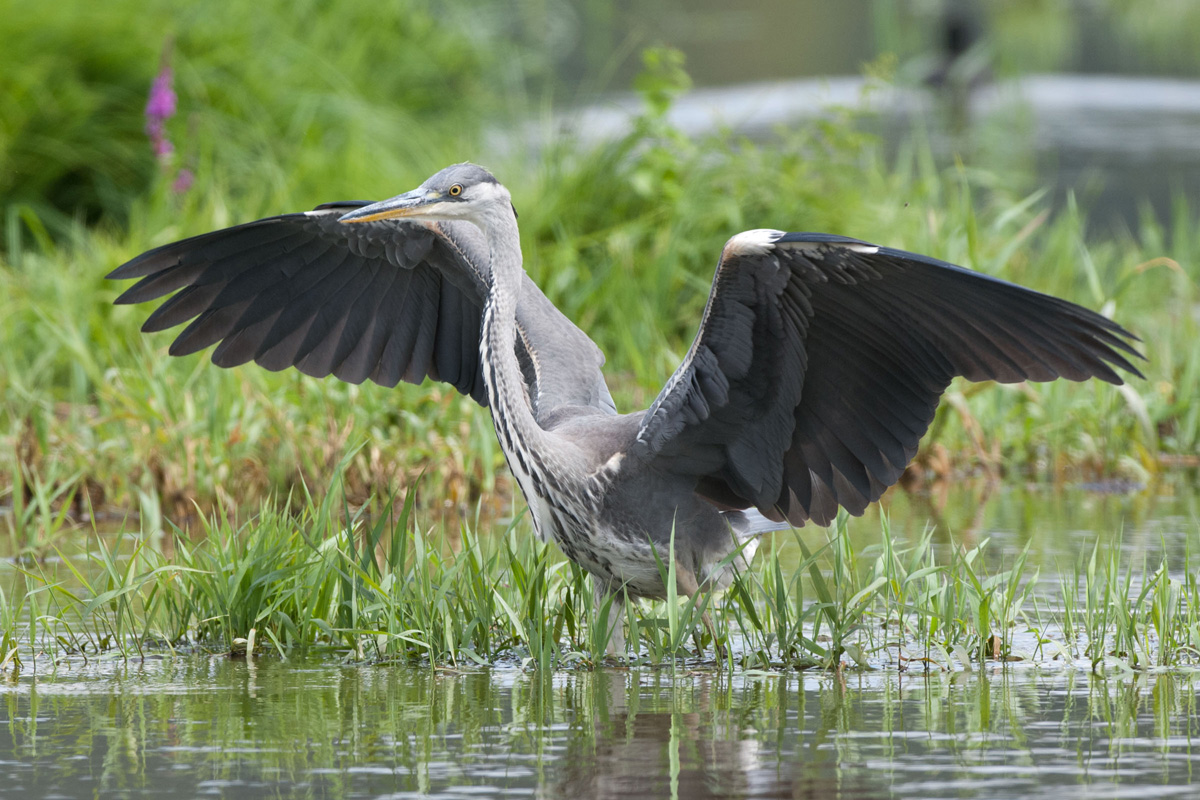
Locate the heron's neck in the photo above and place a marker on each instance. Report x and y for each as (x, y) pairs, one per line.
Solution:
(507, 393)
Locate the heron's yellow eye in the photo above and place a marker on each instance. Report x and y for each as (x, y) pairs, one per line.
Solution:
(456, 190)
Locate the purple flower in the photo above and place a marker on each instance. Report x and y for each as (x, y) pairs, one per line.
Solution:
(161, 104)
(160, 107)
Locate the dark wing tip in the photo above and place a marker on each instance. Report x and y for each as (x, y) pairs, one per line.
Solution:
(136, 268)
(1107, 341)
(128, 297)
(119, 274)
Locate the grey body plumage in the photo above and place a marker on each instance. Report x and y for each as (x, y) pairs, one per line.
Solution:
(817, 368)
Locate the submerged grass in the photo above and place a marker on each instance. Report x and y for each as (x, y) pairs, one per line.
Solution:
(375, 585)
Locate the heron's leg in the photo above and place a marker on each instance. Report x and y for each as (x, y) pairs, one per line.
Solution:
(718, 648)
(687, 585)
(616, 630)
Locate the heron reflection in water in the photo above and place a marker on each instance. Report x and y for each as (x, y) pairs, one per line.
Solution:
(816, 370)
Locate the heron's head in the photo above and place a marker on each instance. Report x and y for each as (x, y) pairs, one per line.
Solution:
(463, 191)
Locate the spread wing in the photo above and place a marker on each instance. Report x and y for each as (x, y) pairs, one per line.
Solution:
(820, 361)
(381, 301)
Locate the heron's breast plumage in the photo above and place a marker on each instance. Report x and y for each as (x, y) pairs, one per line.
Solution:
(567, 508)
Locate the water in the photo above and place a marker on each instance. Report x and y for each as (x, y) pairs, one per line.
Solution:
(1071, 100)
(1123, 145)
(201, 726)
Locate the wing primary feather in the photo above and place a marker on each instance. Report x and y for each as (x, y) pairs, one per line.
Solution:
(210, 247)
(359, 363)
(447, 345)
(207, 329)
(282, 354)
(185, 304)
(302, 307)
(241, 346)
(421, 360)
(340, 289)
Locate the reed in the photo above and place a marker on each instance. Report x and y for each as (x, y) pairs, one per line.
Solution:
(371, 583)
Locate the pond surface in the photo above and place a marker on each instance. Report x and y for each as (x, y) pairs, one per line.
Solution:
(1097, 123)
(211, 726)
(1119, 143)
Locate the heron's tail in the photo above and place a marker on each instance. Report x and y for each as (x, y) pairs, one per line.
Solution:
(747, 526)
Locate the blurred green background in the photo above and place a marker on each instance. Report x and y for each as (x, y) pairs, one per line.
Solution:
(309, 99)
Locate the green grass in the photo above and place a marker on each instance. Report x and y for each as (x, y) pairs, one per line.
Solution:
(273, 99)
(372, 584)
(217, 465)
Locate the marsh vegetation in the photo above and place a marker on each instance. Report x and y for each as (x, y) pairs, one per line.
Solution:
(165, 524)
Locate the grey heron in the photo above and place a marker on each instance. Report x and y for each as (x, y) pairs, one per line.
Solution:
(817, 368)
